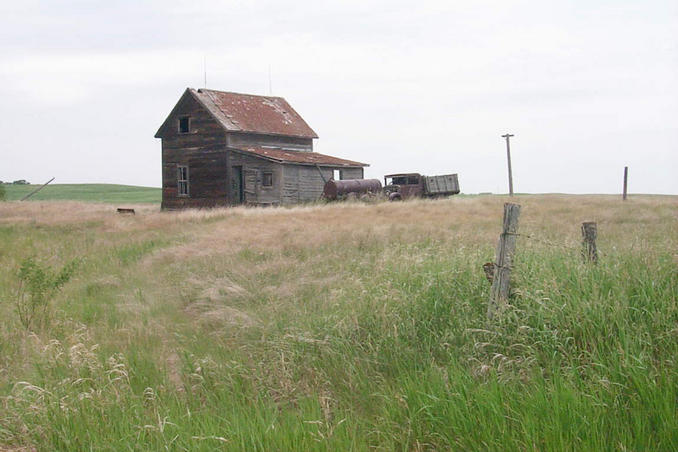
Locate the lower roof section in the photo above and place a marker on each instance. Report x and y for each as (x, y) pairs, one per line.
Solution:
(298, 157)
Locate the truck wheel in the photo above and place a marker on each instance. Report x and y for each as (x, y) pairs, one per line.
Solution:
(395, 197)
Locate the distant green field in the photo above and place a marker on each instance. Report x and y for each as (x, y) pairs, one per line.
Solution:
(110, 193)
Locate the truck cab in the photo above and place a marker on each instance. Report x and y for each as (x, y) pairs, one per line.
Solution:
(403, 186)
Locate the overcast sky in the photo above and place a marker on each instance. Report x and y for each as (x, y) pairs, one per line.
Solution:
(587, 87)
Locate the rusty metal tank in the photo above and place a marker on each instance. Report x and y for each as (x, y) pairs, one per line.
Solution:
(336, 189)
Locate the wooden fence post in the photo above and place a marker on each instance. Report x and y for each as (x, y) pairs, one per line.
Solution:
(589, 232)
(626, 180)
(499, 293)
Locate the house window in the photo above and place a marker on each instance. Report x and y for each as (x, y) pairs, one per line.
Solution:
(336, 174)
(267, 179)
(184, 124)
(182, 180)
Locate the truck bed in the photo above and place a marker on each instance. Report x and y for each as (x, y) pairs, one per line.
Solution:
(447, 184)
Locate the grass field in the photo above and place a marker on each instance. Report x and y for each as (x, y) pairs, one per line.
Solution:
(342, 327)
(109, 193)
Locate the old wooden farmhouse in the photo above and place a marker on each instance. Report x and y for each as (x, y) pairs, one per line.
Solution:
(221, 148)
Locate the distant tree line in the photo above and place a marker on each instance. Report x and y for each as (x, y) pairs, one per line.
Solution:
(16, 182)
(3, 192)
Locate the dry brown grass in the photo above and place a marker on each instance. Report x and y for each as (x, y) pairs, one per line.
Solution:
(315, 222)
(215, 292)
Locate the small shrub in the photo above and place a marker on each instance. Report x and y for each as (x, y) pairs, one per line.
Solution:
(38, 283)
(2, 192)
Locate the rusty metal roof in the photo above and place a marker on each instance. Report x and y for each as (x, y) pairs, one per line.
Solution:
(300, 157)
(258, 114)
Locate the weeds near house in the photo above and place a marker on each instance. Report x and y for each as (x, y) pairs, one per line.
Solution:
(38, 283)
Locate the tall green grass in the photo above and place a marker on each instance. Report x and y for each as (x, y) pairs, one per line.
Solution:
(368, 340)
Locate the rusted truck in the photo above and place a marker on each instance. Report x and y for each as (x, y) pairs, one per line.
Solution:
(396, 187)
(414, 185)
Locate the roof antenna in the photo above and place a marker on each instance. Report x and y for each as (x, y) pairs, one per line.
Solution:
(270, 84)
(204, 66)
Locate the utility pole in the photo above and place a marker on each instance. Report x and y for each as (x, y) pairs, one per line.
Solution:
(270, 82)
(37, 190)
(508, 156)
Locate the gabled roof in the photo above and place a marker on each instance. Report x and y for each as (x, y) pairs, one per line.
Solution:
(299, 157)
(249, 113)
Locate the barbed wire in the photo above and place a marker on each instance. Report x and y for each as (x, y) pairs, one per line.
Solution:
(548, 242)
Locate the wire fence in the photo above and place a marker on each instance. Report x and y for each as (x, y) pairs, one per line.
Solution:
(545, 241)
(498, 273)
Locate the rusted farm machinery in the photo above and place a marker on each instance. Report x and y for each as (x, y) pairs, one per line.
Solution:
(396, 187)
(341, 189)
(414, 185)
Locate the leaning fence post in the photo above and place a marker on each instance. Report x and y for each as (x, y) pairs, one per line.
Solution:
(505, 250)
(589, 232)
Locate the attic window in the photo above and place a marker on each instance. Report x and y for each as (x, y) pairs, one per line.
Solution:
(184, 124)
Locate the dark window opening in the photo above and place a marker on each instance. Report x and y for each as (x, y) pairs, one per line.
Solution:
(182, 180)
(267, 179)
(413, 180)
(184, 124)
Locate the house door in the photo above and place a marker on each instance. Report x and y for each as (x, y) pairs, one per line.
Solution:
(236, 184)
(250, 186)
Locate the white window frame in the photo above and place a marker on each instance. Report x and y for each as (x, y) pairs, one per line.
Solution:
(183, 181)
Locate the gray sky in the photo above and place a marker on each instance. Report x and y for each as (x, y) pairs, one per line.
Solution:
(587, 87)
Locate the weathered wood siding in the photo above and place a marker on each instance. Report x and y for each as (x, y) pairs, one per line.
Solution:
(239, 140)
(290, 188)
(206, 178)
(203, 150)
(303, 183)
(253, 169)
(351, 173)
